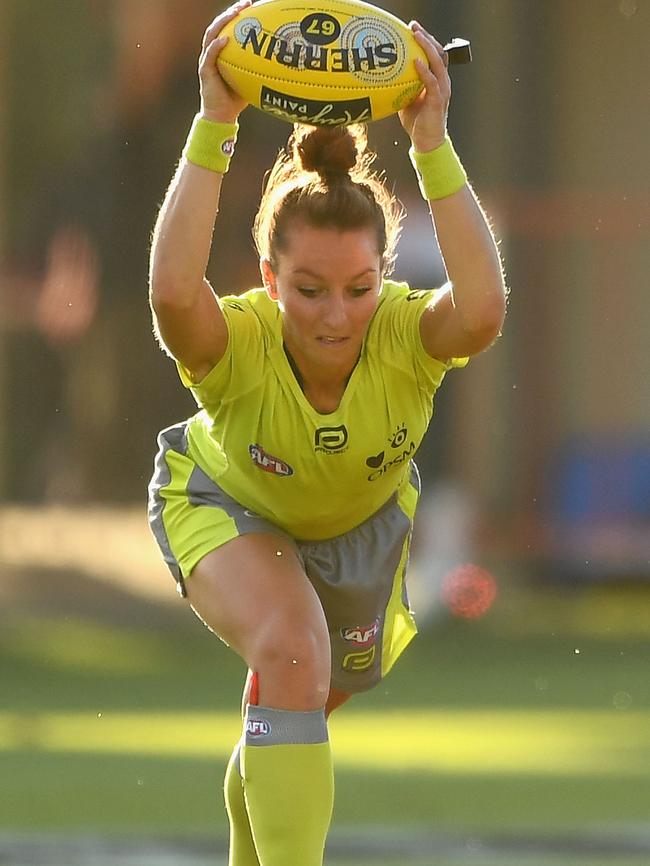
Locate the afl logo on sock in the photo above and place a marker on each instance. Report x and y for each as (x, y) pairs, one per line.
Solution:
(257, 727)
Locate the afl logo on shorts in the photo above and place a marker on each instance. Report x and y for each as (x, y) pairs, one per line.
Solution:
(361, 635)
(257, 728)
(268, 462)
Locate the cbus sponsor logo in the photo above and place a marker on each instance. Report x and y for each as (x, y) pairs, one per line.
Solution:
(257, 728)
(268, 462)
(361, 634)
(301, 55)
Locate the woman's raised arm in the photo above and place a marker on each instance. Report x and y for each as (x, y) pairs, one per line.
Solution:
(467, 317)
(187, 317)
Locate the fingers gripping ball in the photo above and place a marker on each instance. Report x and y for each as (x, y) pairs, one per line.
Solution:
(350, 64)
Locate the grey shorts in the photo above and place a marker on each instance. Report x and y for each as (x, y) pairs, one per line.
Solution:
(359, 576)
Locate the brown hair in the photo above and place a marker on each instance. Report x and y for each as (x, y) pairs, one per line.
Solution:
(323, 178)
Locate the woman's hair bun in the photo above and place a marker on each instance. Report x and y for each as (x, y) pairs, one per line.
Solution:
(329, 150)
(322, 178)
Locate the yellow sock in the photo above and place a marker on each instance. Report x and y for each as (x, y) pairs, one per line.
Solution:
(241, 847)
(288, 785)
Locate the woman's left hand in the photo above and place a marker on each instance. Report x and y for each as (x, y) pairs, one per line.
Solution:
(425, 119)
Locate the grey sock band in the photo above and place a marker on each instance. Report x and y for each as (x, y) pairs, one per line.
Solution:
(264, 726)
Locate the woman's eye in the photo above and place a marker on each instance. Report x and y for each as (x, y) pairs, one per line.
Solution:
(307, 291)
(360, 290)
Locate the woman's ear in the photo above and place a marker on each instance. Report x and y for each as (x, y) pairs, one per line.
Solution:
(268, 278)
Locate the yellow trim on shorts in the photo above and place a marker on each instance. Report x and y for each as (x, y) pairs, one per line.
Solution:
(399, 624)
(192, 530)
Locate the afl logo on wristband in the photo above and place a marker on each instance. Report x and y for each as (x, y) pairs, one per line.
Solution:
(228, 147)
(257, 728)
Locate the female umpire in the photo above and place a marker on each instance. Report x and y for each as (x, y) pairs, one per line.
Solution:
(284, 507)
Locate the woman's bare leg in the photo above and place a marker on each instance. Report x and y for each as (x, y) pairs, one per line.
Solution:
(253, 593)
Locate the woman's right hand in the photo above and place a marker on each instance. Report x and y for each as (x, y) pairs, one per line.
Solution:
(218, 101)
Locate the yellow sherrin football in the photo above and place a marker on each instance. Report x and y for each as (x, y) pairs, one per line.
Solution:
(339, 62)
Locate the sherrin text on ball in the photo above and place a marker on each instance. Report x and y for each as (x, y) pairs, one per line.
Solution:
(350, 64)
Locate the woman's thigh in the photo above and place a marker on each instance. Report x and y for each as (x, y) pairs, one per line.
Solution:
(254, 594)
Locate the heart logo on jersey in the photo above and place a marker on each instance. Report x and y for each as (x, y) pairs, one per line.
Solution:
(375, 462)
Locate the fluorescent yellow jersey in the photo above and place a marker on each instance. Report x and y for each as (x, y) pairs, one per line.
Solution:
(315, 476)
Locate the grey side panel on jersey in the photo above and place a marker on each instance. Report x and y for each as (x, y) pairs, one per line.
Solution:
(174, 438)
(201, 490)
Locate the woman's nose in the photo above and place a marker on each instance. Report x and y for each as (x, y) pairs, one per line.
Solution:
(335, 313)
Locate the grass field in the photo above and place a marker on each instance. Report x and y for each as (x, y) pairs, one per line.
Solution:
(522, 738)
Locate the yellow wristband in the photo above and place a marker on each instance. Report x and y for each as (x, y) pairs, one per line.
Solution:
(440, 171)
(211, 144)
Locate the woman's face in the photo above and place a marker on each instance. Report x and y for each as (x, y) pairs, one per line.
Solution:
(327, 284)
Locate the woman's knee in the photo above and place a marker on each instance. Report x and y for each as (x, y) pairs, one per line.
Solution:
(293, 662)
(264, 606)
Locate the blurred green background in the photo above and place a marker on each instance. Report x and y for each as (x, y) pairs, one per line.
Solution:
(515, 729)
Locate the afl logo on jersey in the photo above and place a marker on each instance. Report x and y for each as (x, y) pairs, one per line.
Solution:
(268, 462)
